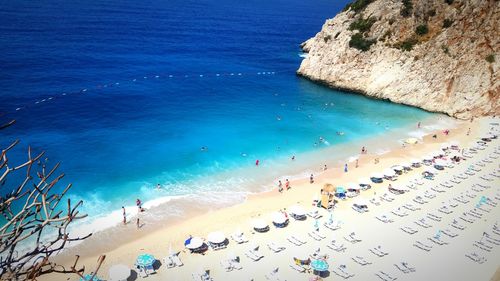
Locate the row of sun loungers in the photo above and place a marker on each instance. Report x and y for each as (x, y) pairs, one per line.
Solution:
(437, 240)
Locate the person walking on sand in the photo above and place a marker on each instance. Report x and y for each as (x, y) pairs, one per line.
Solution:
(280, 186)
(137, 223)
(158, 186)
(287, 184)
(357, 163)
(468, 131)
(345, 167)
(311, 179)
(124, 215)
(325, 168)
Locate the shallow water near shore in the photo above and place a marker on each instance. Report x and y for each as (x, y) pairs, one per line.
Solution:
(126, 95)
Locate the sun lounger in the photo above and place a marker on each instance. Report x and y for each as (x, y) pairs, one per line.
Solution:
(450, 233)
(176, 260)
(168, 262)
(273, 275)
(375, 202)
(437, 241)
(387, 197)
(456, 181)
(411, 207)
(352, 238)
(482, 246)
(253, 254)
(333, 225)
(470, 195)
(342, 272)
(446, 184)
(492, 240)
(434, 217)
(437, 189)
(409, 230)
(420, 200)
(474, 214)
(361, 260)
(422, 246)
(452, 204)
(457, 225)
(239, 237)
(445, 210)
(314, 214)
(475, 257)
(461, 199)
(378, 251)
(142, 273)
(384, 219)
(399, 213)
(293, 241)
(315, 235)
(384, 276)
(422, 223)
(226, 265)
(404, 267)
(275, 248)
(429, 195)
(336, 246)
(297, 267)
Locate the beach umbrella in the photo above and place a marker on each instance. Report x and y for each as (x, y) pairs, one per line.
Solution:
(377, 175)
(430, 171)
(216, 237)
(353, 186)
(437, 153)
(428, 157)
(406, 165)
(364, 181)
(194, 243)
(440, 162)
(278, 218)
(145, 260)
(88, 277)
(454, 144)
(260, 224)
(319, 265)
(397, 168)
(361, 202)
(415, 161)
(297, 210)
(119, 272)
(389, 172)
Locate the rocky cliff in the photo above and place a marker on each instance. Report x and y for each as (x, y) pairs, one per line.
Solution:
(439, 55)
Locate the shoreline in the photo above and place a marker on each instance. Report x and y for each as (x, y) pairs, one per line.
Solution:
(256, 205)
(168, 210)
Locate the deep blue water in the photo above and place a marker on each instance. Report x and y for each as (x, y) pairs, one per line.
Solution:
(116, 141)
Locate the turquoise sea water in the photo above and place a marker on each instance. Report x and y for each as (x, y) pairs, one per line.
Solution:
(125, 94)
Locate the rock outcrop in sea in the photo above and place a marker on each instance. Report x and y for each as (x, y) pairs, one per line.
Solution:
(439, 55)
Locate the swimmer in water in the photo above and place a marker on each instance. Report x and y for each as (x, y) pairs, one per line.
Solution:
(278, 118)
(243, 154)
(321, 139)
(204, 148)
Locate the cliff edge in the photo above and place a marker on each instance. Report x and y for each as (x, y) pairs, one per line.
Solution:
(439, 55)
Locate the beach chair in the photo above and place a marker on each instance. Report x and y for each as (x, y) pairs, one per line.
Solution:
(142, 273)
(404, 268)
(437, 189)
(298, 239)
(176, 260)
(239, 237)
(375, 202)
(448, 232)
(476, 258)
(332, 225)
(437, 241)
(226, 265)
(314, 236)
(457, 225)
(411, 207)
(422, 223)
(168, 262)
(400, 213)
(342, 272)
(273, 275)
(384, 219)
(419, 200)
(253, 254)
(293, 241)
(446, 184)
(360, 260)
(275, 248)
(297, 267)
(430, 195)
(378, 251)
(314, 214)
(385, 276)
(352, 239)
(409, 230)
(434, 217)
(336, 246)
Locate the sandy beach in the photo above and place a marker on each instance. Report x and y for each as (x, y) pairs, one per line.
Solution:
(439, 262)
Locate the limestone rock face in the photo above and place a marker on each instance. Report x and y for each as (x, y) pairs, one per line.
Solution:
(453, 68)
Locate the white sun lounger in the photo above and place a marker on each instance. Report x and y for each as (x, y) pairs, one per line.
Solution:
(342, 272)
(378, 251)
(332, 226)
(384, 276)
(167, 261)
(450, 233)
(297, 267)
(360, 260)
(411, 207)
(275, 247)
(437, 241)
(384, 219)
(239, 237)
(375, 202)
(404, 267)
(409, 230)
(399, 213)
(336, 246)
(475, 257)
(351, 238)
(423, 223)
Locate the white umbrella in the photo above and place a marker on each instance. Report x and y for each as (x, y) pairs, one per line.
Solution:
(364, 181)
(297, 210)
(119, 272)
(428, 157)
(415, 161)
(454, 143)
(445, 146)
(397, 168)
(406, 165)
(430, 171)
(195, 243)
(438, 153)
(377, 175)
(278, 218)
(353, 186)
(216, 237)
(259, 224)
(361, 202)
(389, 172)
(440, 162)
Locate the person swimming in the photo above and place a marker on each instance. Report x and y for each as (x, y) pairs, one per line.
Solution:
(204, 148)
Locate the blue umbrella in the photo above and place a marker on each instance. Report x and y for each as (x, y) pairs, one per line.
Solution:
(145, 260)
(88, 277)
(188, 241)
(319, 265)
